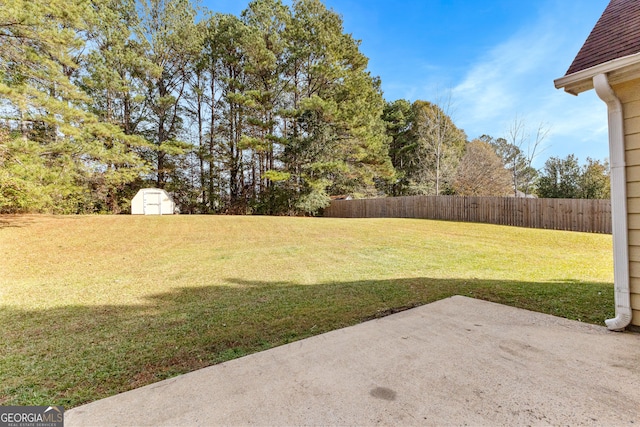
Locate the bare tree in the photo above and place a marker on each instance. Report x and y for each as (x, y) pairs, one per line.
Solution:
(521, 150)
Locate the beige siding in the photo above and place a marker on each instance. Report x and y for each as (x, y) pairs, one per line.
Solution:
(634, 270)
(633, 142)
(634, 254)
(633, 205)
(634, 224)
(634, 236)
(629, 94)
(633, 173)
(633, 158)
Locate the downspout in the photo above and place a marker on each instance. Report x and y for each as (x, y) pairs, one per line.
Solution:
(618, 205)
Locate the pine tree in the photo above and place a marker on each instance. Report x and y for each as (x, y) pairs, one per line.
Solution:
(426, 147)
(170, 44)
(56, 147)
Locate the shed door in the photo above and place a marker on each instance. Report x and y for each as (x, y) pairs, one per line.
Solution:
(152, 203)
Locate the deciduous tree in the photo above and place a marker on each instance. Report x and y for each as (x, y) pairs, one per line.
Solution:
(560, 178)
(481, 172)
(518, 151)
(426, 147)
(595, 182)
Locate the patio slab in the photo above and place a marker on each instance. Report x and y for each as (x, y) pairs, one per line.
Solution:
(458, 361)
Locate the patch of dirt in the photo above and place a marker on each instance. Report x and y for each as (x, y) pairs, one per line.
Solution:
(393, 310)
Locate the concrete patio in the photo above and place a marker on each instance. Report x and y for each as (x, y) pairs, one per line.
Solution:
(458, 361)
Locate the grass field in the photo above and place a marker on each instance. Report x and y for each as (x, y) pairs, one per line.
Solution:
(95, 305)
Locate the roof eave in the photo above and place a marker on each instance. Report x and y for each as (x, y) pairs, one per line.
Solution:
(618, 70)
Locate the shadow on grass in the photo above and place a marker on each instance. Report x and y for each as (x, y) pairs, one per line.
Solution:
(76, 354)
(15, 221)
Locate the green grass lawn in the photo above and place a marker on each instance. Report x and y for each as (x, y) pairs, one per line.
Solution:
(95, 305)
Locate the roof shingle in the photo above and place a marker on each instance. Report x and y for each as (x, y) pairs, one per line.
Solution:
(616, 35)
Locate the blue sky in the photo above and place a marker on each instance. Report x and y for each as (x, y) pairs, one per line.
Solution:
(497, 59)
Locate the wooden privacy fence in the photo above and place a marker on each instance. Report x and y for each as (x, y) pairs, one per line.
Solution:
(592, 216)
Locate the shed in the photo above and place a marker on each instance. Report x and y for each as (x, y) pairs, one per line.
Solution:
(609, 62)
(152, 201)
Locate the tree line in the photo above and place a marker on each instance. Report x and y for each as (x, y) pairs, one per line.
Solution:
(271, 112)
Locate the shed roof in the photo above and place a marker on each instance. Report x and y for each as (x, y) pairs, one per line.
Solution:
(616, 35)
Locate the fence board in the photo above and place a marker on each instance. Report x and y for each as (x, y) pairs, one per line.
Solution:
(593, 216)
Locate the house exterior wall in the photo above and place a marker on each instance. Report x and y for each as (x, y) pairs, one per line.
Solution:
(629, 95)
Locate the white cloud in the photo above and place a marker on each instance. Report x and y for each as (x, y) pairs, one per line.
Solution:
(516, 77)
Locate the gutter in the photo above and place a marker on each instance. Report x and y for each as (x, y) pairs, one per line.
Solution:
(618, 204)
(617, 70)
